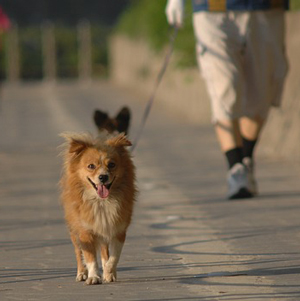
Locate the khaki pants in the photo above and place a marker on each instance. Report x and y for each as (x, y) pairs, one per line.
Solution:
(241, 56)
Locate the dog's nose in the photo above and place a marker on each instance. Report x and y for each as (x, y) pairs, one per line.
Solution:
(103, 178)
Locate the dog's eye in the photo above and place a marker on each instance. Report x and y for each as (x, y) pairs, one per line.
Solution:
(92, 166)
(111, 165)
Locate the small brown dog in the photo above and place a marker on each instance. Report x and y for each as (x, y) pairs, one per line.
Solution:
(119, 123)
(98, 195)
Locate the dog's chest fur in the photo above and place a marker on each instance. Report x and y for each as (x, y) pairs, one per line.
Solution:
(103, 217)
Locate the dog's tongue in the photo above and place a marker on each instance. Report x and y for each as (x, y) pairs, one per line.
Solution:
(103, 192)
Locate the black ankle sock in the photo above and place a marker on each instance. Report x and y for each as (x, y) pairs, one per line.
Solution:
(248, 147)
(234, 156)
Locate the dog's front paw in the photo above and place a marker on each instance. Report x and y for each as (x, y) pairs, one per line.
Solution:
(81, 276)
(109, 276)
(93, 280)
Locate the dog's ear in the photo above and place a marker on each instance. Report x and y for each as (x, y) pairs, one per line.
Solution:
(123, 119)
(76, 143)
(77, 147)
(100, 118)
(118, 141)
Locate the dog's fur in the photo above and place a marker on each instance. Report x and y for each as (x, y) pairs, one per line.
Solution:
(119, 123)
(98, 194)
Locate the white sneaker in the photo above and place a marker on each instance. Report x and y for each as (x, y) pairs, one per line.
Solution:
(248, 162)
(238, 182)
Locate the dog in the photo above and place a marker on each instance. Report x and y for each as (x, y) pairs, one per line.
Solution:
(120, 123)
(98, 196)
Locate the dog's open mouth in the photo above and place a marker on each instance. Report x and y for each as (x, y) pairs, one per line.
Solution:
(102, 190)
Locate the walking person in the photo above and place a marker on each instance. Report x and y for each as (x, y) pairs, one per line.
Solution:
(241, 56)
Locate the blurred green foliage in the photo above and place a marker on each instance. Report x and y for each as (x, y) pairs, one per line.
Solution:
(66, 51)
(31, 52)
(2, 56)
(147, 20)
(100, 36)
(143, 19)
(66, 39)
(295, 4)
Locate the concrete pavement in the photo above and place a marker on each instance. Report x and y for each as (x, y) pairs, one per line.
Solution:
(186, 242)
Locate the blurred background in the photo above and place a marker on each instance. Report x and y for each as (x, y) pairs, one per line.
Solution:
(70, 39)
(50, 31)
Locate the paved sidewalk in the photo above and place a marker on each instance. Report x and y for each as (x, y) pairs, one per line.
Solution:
(186, 242)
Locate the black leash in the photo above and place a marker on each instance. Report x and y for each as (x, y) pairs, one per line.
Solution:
(157, 83)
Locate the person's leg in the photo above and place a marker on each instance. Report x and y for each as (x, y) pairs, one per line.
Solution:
(230, 140)
(250, 130)
(238, 138)
(265, 70)
(237, 141)
(228, 134)
(231, 143)
(221, 64)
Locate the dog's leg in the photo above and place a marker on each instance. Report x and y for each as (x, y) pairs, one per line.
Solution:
(89, 249)
(81, 269)
(110, 268)
(104, 254)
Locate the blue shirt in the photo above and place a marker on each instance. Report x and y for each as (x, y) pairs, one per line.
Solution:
(225, 5)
